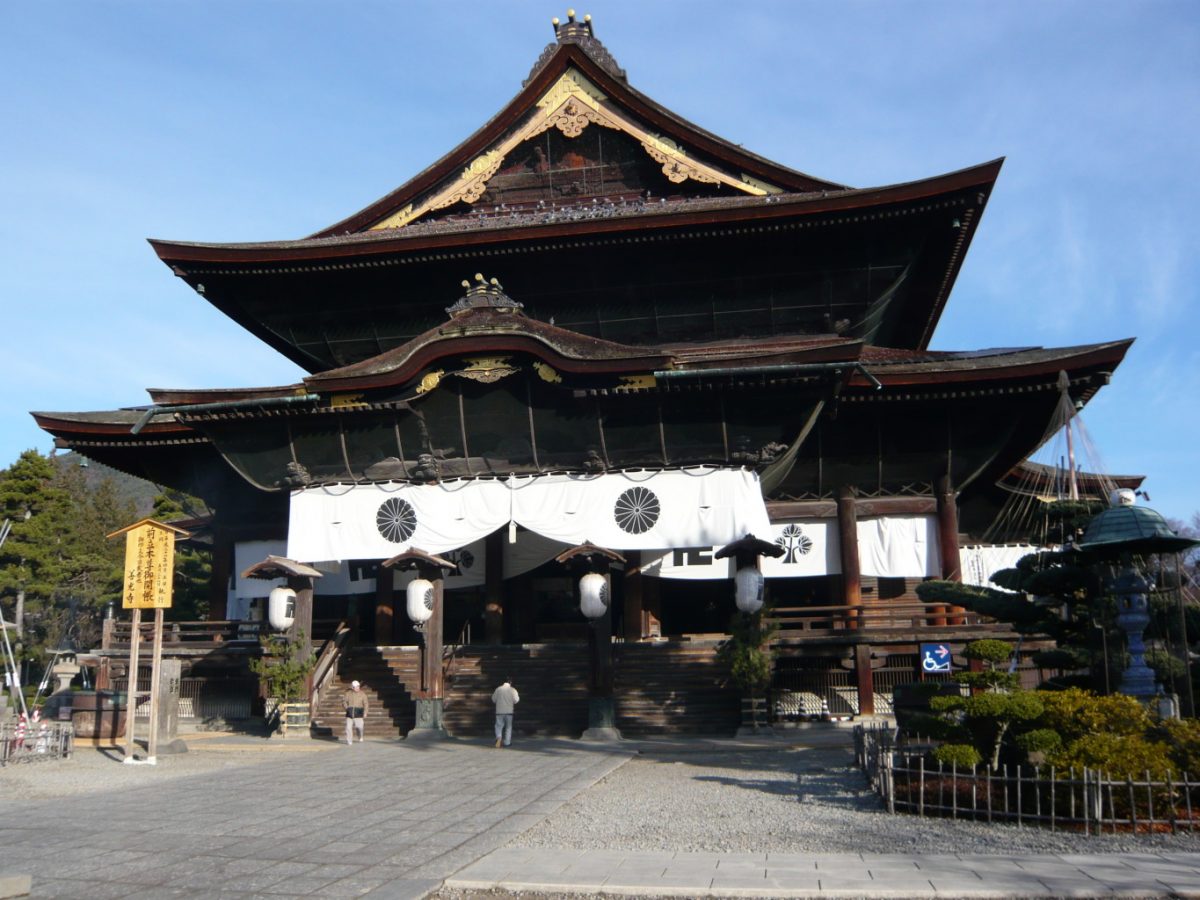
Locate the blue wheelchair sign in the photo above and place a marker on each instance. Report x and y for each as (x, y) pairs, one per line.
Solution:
(935, 658)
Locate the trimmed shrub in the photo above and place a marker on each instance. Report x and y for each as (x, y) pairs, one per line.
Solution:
(1076, 713)
(1040, 740)
(990, 650)
(1182, 739)
(1119, 755)
(962, 755)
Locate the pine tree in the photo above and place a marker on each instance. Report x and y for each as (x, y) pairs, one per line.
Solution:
(31, 560)
(193, 563)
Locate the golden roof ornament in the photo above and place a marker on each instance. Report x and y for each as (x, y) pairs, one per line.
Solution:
(483, 294)
(580, 33)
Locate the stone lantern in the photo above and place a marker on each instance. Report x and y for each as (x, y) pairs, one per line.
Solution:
(1117, 536)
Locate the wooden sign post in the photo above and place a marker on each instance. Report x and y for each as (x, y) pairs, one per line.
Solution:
(149, 576)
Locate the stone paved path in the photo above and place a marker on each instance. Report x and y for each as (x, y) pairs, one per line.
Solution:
(384, 819)
(796, 875)
(397, 819)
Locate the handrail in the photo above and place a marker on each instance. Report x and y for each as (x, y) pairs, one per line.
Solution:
(117, 633)
(327, 660)
(797, 620)
(450, 651)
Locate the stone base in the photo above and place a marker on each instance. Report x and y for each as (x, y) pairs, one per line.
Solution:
(15, 885)
(429, 715)
(755, 731)
(602, 720)
(420, 735)
(602, 734)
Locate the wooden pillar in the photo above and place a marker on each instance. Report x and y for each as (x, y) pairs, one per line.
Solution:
(652, 607)
(947, 519)
(600, 641)
(864, 679)
(493, 610)
(431, 654)
(385, 610)
(602, 724)
(635, 614)
(947, 526)
(847, 517)
(222, 569)
(302, 622)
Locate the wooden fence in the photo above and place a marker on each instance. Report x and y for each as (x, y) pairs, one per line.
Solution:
(1076, 800)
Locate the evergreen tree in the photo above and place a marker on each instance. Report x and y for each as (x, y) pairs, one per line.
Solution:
(31, 558)
(193, 563)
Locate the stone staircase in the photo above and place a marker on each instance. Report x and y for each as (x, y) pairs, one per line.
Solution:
(389, 676)
(551, 679)
(668, 687)
(673, 687)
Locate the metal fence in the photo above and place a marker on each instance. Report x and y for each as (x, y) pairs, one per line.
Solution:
(201, 699)
(1086, 800)
(37, 742)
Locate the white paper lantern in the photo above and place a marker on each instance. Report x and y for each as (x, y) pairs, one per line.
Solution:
(593, 595)
(281, 608)
(749, 597)
(420, 600)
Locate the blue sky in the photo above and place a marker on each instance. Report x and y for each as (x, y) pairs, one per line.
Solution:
(231, 121)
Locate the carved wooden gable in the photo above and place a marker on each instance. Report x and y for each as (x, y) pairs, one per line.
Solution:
(575, 144)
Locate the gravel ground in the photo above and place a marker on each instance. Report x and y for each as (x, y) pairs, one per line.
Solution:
(791, 800)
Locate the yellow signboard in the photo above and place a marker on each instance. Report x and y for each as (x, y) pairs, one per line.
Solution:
(149, 565)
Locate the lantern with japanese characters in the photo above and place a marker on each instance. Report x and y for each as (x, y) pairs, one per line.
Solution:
(420, 600)
(593, 595)
(281, 608)
(749, 584)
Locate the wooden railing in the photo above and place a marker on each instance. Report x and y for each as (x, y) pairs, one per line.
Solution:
(796, 623)
(451, 652)
(326, 666)
(178, 635)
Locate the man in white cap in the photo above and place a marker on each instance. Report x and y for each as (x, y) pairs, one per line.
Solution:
(354, 701)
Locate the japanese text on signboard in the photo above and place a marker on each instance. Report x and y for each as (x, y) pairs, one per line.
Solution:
(149, 566)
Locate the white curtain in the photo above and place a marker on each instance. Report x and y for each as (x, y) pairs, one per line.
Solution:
(810, 548)
(621, 511)
(981, 562)
(344, 577)
(899, 547)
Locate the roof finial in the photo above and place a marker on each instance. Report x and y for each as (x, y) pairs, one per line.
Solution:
(483, 294)
(580, 32)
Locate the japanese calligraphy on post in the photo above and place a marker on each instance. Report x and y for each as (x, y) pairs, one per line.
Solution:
(149, 565)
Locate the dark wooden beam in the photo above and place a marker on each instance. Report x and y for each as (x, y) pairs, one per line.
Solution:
(947, 519)
(493, 610)
(848, 535)
(783, 510)
(864, 679)
(635, 624)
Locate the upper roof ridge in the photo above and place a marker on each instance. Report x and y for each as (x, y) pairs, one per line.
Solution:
(581, 34)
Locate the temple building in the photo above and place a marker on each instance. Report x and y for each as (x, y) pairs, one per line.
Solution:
(596, 325)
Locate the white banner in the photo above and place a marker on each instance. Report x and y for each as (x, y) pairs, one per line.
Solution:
(341, 578)
(899, 547)
(635, 511)
(810, 548)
